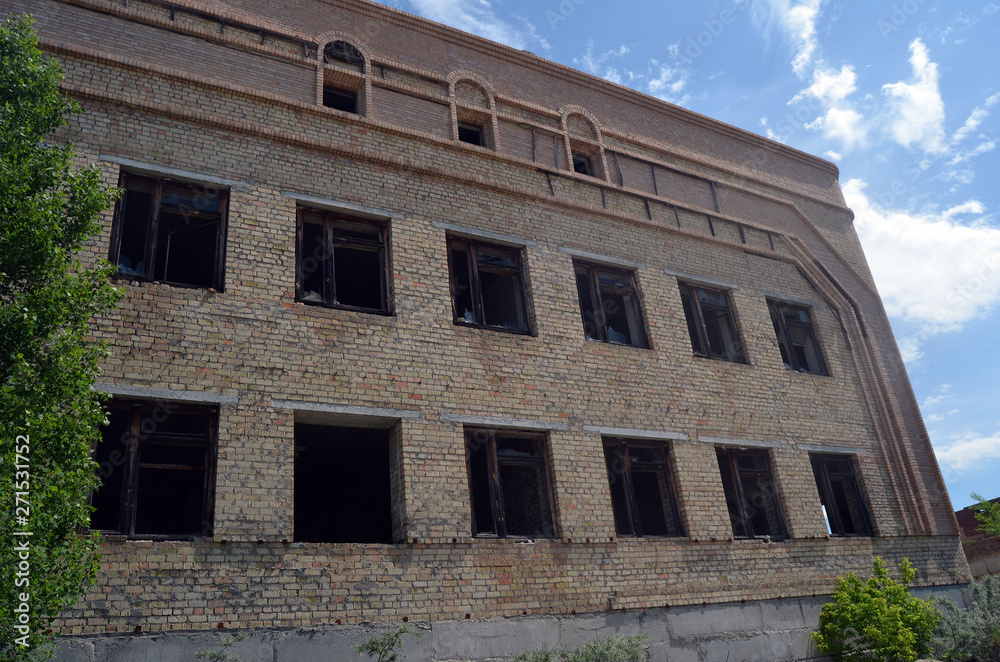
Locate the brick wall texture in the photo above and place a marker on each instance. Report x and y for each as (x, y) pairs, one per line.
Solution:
(233, 89)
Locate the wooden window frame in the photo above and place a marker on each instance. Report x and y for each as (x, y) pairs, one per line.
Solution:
(703, 346)
(139, 435)
(621, 447)
(822, 473)
(330, 243)
(152, 223)
(731, 456)
(781, 328)
(596, 289)
(472, 247)
(487, 436)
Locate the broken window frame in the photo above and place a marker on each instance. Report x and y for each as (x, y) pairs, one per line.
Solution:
(849, 481)
(344, 52)
(742, 520)
(469, 127)
(783, 334)
(627, 464)
(583, 164)
(592, 273)
(694, 313)
(144, 419)
(477, 438)
(474, 268)
(331, 242)
(156, 207)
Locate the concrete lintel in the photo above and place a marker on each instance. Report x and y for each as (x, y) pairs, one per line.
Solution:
(807, 303)
(504, 422)
(483, 234)
(178, 395)
(345, 207)
(602, 259)
(191, 176)
(636, 434)
(730, 441)
(701, 280)
(347, 410)
(823, 448)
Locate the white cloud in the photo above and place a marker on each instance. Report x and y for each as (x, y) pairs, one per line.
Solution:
(479, 17)
(832, 155)
(930, 269)
(982, 148)
(797, 20)
(933, 418)
(916, 107)
(968, 450)
(668, 83)
(976, 117)
(844, 124)
(840, 120)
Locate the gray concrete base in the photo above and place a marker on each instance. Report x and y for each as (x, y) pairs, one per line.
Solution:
(756, 631)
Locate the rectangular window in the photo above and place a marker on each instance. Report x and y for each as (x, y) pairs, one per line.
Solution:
(157, 467)
(583, 164)
(340, 98)
(751, 496)
(470, 133)
(796, 339)
(342, 261)
(170, 232)
(487, 285)
(840, 494)
(609, 305)
(342, 484)
(642, 488)
(509, 484)
(710, 323)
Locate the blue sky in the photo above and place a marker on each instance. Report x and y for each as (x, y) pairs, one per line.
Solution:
(904, 96)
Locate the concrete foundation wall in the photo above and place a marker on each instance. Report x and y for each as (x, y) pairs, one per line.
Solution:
(751, 631)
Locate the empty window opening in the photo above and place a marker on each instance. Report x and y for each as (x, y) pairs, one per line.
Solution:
(470, 133)
(342, 484)
(509, 484)
(710, 323)
(342, 261)
(487, 286)
(156, 463)
(583, 164)
(340, 99)
(344, 53)
(840, 495)
(751, 495)
(642, 488)
(609, 305)
(796, 338)
(170, 232)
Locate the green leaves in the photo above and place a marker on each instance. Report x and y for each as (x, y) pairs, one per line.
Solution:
(988, 514)
(877, 619)
(48, 364)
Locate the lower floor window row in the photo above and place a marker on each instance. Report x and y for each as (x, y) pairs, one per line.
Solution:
(157, 468)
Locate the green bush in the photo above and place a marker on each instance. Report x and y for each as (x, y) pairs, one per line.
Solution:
(877, 620)
(613, 649)
(385, 645)
(976, 632)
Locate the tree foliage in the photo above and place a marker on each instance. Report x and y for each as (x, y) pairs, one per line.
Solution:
(963, 634)
(48, 413)
(988, 514)
(386, 645)
(624, 648)
(877, 619)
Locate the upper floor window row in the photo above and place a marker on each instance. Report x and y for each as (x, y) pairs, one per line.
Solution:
(175, 232)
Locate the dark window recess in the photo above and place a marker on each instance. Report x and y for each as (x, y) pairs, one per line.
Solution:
(751, 495)
(609, 305)
(341, 99)
(710, 323)
(642, 489)
(170, 232)
(342, 484)
(796, 339)
(470, 133)
(156, 463)
(487, 286)
(508, 483)
(583, 164)
(344, 52)
(342, 261)
(840, 494)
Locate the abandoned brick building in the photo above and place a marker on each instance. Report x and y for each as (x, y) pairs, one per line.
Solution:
(421, 327)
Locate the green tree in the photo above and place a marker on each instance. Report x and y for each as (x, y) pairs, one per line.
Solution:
(988, 514)
(877, 620)
(49, 416)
